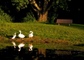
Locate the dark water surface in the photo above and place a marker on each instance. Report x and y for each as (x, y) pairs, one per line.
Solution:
(9, 53)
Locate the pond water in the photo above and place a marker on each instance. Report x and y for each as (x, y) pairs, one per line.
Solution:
(9, 53)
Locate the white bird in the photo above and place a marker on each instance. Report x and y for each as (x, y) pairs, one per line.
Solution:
(14, 44)
(20, 46)
(21, 35)
(14, 36)
(30, 34)
(30, 47)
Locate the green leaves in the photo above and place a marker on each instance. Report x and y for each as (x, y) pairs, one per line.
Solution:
(63, 4)
(4, 17)
(20, 4)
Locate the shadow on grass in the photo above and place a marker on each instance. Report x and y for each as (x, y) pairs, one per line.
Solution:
(9, 53)
(79, 26)
(79, 45)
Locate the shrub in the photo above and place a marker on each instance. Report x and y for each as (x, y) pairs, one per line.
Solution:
(29, 18)
(52, 17)
(4, 17)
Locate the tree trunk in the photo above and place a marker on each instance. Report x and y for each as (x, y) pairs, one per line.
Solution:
(43, 17)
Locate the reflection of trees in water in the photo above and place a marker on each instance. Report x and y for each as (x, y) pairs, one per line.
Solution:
(9, 53)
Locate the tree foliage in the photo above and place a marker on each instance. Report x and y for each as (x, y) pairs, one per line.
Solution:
(20, 4)
(40, 8)
(39, 5)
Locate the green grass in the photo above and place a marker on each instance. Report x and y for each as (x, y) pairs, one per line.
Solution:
(69, 36)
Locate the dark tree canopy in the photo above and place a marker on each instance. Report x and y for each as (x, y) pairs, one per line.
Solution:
(41, 9)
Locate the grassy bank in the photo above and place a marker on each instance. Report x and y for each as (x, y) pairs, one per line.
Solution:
(45, 35)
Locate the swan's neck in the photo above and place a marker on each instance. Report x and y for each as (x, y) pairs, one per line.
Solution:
(31, 32)
(20, 32)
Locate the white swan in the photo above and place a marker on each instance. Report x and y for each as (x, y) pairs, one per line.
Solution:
(20, 46)
(14, 36)
(14, 44)
(21, 35)
(30, 34)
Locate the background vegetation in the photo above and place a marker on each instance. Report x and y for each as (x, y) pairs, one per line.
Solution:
(4, 17)
(49, 10)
